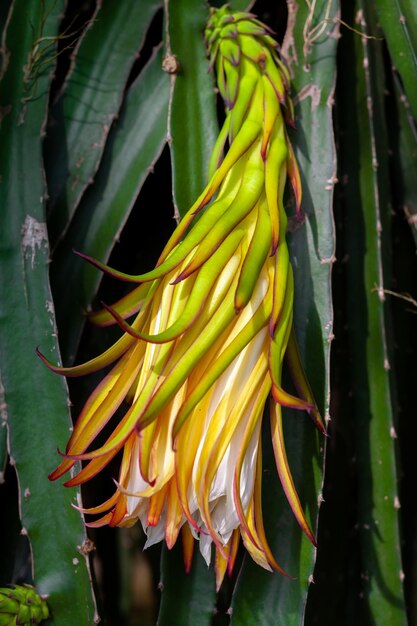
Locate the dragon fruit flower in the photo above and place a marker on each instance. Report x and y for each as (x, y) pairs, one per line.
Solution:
(211, 326)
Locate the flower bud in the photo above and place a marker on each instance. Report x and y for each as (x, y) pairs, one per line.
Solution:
(21, 605)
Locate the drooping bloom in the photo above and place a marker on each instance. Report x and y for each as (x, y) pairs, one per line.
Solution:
(212, 324)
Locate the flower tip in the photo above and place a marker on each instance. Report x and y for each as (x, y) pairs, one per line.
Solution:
(187, 547)
(220, 574)
(83, 256)
(285, 399)
(55, 474)
(62, 371)
(63, 455)
(44, 359)
(179, 278)
(123, 325)
(308, 532)
(275, 244)
(171, 535)
(286, 575)
(318, 422)
(105, 268)
(103, 521)
(41, 356)
(299, 213)
(289, 120)
(321, 428)
(240, 302)
(62, 468)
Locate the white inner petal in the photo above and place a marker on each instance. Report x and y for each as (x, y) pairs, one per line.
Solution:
(205, 547)
(233, 385)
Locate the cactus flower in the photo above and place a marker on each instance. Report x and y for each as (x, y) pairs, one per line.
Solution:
(210, 327)
(21, 605)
